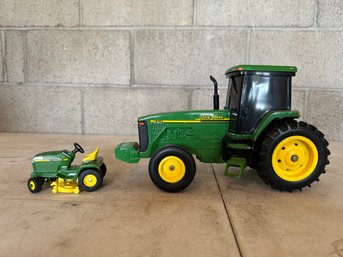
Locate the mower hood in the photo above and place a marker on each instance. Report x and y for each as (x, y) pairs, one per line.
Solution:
(52, 156)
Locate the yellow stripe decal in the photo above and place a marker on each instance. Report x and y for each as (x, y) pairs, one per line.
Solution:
(188, 121)
(223, 119)
(41, 160)
(175, 121)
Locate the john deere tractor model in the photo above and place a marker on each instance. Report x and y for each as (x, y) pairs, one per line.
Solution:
(55, 168)
(256, 128)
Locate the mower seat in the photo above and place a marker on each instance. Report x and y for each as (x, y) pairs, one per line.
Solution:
(91, 156)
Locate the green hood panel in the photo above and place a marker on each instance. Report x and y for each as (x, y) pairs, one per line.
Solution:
(47, 164)
(188, 116)
(200, 132)
(53, 156)
(49, 154)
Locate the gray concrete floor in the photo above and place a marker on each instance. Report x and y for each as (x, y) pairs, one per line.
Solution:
(129, 216)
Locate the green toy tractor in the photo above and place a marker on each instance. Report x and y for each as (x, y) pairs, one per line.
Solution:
(55, 168)
(256, 129)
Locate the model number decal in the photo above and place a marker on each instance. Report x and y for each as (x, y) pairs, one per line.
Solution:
(186, 134)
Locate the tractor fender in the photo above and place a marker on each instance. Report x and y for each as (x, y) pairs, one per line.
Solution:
(267, 121)
(171, 145)
(272, 117)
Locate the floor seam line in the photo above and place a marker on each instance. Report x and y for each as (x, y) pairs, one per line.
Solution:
(228, 214)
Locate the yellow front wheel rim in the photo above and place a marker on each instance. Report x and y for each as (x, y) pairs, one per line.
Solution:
(32, 185)
(90, 180)
(171, 169)
(295, 158)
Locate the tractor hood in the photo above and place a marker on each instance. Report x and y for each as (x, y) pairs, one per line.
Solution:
(188, 116)
(200, 132)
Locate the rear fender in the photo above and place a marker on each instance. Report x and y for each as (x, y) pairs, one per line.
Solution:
(73, 172)
(268, 119)
(271, 118)
(95, 165)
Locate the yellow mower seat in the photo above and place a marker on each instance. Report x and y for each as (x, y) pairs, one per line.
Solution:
(91, 156)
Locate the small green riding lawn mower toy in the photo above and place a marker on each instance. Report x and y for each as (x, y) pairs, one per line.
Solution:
(55, 169)
(256, 128)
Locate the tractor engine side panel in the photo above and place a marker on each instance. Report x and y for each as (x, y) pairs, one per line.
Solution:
(199, 132)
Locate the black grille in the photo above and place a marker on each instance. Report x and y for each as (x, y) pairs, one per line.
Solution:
(143, 135)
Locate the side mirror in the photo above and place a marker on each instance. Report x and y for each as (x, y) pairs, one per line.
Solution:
(215, 93)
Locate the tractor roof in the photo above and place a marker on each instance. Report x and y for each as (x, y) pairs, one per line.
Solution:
(263, 68)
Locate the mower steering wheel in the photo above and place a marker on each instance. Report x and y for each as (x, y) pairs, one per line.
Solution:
(78, 148)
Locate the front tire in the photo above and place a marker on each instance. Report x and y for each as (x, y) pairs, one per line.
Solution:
(292, 156)
(172, 169)
(35, 185)
(90, 180)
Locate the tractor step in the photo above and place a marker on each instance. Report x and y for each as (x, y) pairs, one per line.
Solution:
(235, 162)
(239, 146)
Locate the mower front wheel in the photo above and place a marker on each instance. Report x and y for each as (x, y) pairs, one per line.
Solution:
(90, 180)
(35, 184)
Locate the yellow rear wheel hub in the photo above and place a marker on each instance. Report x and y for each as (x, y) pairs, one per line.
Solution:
(32, 185)
(90, 180)
(171, 169)
(295, 158)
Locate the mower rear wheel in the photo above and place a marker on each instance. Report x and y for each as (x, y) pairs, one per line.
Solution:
(35, 184)
(90, 180)
(292, 156)
(172, 169)
(103, 170)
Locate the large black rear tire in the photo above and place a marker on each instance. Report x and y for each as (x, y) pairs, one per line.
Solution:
(172, 169)
(292, 155)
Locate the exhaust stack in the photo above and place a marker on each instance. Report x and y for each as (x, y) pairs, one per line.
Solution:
(215, 93)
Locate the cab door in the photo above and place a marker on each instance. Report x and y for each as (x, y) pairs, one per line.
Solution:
(262, 93)
(233, 102)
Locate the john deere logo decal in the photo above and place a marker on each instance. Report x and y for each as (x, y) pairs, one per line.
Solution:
(204, 118)
(212, 118)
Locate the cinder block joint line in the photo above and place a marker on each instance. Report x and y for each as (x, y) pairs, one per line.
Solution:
(247, 50)
(3, 51)
(153, 86)
(190, 99)
(113, 28)
(227, 213)
(82, 107)
(132, 57)
(25, 56)
(194, 21)
(305, 104)
(316, 14)
(80, 12)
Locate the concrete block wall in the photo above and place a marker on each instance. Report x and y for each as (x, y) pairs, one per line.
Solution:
(93, 67)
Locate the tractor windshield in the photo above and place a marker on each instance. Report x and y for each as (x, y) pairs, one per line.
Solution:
(234, 93)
